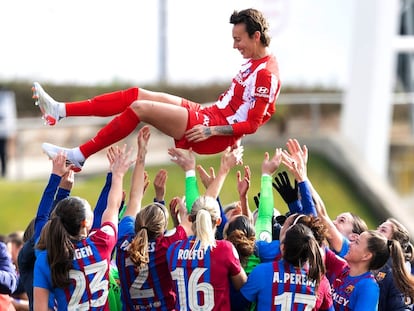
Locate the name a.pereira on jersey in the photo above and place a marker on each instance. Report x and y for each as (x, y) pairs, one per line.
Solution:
(292, 278)
(186, 254)
(82, 252)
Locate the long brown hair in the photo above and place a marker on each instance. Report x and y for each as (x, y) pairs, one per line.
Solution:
(300, 247)
(150, 223)
(241, 233)
(57, 236)
(401, 234)
(381, 250)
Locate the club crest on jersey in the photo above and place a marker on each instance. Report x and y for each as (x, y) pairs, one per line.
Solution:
(349, 289)
(380, 276)
(246, 73)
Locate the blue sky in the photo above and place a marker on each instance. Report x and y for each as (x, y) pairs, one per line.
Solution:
(99, 41)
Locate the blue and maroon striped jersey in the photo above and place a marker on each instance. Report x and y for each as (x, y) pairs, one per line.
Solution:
(89, 274)
(201, 278)
(279, 286)
(151, 286)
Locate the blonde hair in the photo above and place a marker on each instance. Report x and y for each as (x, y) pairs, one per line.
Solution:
(204, 215)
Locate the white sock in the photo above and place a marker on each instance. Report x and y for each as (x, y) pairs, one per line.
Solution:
(77, 154)
(62, 109)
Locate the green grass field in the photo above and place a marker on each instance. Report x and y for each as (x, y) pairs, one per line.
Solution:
(19, 200)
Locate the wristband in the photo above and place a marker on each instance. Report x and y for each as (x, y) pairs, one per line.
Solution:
(190, 173)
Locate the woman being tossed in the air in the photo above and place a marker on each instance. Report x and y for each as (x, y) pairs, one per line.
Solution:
(247, 104)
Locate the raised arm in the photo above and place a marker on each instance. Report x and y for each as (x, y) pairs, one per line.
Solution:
(65, 187)
(160, 186)
(229, 159)
(296, 159)
(59, 169)
(288, 193)
(186, 160)
(138, 175)
(263, 224)
(178, 208)
(102, 201)
(119, 168)
(207, 178)
(243, 185)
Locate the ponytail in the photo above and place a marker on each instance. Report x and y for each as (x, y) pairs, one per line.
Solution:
(300, 247)
(381, 250)
(204, 230)
(55, 239)
(57, 236)
(150, 223)
(205, 214)
(402, 278)
(138, 249)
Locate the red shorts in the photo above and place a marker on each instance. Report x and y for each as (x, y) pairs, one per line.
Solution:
(200, 115)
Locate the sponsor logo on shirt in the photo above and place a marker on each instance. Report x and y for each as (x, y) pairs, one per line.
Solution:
(262, 91)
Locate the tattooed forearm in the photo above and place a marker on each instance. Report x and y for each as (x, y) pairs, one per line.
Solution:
(207, 131)
(223, 130)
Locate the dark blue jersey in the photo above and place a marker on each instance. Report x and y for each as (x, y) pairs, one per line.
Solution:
(390, 297)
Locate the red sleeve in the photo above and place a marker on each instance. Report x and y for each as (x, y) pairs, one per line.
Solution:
(105, 237)
(233, 258)
(177, 234)
(335, 265)
(324, 298)
(266, 91)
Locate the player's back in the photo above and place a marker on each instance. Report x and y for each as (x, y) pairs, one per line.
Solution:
(150, 286)
(202, 277)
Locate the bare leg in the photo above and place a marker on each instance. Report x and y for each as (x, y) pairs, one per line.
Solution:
(159, 97)
(169, 118)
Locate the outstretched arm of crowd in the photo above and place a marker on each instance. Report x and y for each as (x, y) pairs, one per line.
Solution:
(229, 159)
(160, 186)
(65, 186)
(263, 224)
(179, 210)
(102, 200)
(186, 160)
(243, 185)
(207, 178)
(296, 160)
(138, 183)
(119, 167)
(59, 169)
